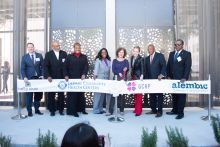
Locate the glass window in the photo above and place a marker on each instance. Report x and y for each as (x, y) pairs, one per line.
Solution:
(6, 51)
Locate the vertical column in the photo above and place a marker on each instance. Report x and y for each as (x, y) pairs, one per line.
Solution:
(19, 40)
(46, 32)
(110, 27)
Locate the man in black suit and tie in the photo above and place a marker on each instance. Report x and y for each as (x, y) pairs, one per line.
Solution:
(178, 68)
(32, 68)
(155, 65)
(53, 65)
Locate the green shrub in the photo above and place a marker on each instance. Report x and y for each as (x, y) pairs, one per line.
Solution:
(176, 138)
(149, 139)
(47, 140)
(216, 128)
(5, 141)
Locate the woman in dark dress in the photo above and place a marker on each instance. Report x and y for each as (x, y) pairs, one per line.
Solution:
(76, 67)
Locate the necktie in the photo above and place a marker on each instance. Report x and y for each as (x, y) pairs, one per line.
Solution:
(176, 56)
(151, 58)
(32, 58)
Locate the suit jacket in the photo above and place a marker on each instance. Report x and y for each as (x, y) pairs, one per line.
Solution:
(53, 67)
(137, 68)
(75, 67)
(157, 67)
(101, 70)
(179, 69)
(30, 69)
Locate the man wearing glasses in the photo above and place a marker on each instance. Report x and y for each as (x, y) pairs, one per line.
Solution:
(178, 68)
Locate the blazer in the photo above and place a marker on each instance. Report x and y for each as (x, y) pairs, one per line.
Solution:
(54, 67)
(75, 67)
(101, 70)
(137, 68)
(30, 69)
(179, 69)
(157, 67)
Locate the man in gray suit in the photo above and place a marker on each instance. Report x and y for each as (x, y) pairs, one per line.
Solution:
(155, 69)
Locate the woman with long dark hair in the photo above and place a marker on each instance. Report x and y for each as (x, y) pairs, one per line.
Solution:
(101, 71)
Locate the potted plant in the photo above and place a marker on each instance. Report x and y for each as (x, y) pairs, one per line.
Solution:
(149, 139)
(176, 138)
(216, 128)
(5, 141)
(47, 140)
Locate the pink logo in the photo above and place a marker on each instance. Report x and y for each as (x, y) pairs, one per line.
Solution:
(131, 86)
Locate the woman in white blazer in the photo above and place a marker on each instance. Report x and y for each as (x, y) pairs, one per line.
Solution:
(101, 71)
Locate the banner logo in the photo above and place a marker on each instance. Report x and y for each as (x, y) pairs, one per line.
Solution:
(62, 85)
(131, 86)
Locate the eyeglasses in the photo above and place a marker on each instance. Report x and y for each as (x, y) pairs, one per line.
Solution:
(178, 44)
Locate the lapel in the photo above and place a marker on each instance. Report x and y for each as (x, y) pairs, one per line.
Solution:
(135, 62)
(54, 55)
(181, 53)
(104, 64)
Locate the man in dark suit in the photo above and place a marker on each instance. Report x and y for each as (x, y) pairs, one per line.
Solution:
(155, 69)
(178, 68)
(32, 68)
(53, 65)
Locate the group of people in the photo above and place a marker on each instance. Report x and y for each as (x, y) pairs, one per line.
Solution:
(58, 65)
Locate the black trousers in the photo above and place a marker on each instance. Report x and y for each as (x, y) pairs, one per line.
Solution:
(179, 101)
(52, 102)
(75, 102)
(156, 102)
(121, 103)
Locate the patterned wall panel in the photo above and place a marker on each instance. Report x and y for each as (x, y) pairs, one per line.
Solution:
(161, 37)
(92, 40)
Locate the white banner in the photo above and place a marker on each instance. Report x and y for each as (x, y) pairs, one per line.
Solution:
(115, 87)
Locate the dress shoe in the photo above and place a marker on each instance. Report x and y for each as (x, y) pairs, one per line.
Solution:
(52, 114)
(61, 113)
(75, 114)
(180, 116)
(137, 114)
(84, 112)
(158, 114)
(38, 112)
(99, 112)
(171, 113)
(103, 111)
(108, 114)
(30, 114)
(151, 112)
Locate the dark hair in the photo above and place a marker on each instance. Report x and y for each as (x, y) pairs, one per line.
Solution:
(139, 49)
(30, 43)
(99, 56)
(182, 42)
(121, 49)
(80, 135)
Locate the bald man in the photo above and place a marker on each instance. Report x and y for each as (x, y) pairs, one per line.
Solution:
(53, 65)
